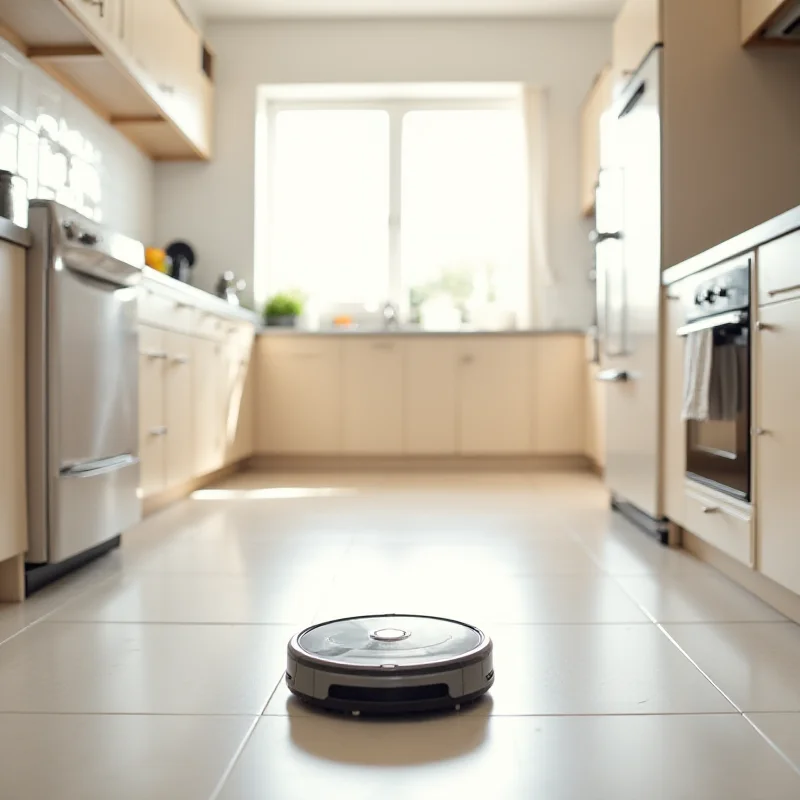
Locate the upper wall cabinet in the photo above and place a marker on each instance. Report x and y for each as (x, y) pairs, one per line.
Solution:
(138, 64)
(597, 102)
(770, 19)
(636, 29)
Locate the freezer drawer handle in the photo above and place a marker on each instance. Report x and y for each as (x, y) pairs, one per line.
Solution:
(711, 509)
(613, 376)
(102, 467)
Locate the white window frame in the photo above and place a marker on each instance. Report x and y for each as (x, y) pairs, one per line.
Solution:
(498, 97)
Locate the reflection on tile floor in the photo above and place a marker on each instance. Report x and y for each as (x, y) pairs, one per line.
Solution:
(157, 672)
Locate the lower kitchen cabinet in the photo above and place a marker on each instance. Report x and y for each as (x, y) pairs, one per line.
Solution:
(494, 402)
(674, 449)
(152, 410)
(299, 391)
(241, 437)
(372, 397)
(13, 491)
(431, 396)
(421, 395)
(210, 385)
(777, 443)
(179, 412)
(558, 404)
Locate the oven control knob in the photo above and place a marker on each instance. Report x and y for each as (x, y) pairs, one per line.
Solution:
(721, 291)
(710, 296)
(70, 230)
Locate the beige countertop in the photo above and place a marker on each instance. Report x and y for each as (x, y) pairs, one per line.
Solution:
(199, 298)
(743, 243)
(412, 332)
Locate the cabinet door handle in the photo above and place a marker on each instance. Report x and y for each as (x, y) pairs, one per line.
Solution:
(760, 432)
(784, 290)
(101, 4)
(156, 355)
(711, 509)
(762, 326)
(166, 88)
(467, 359)
(180, 359)
(159, 431)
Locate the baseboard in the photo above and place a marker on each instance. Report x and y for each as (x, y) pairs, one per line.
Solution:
(596, 468)
(781, 599)
(401, 464)
(156, 502)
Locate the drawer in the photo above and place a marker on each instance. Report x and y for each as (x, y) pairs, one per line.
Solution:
(723, 522)
(779, 269)
(165, 312)
(210, 326)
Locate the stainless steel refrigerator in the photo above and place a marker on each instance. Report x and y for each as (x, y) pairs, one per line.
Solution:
(628, 257)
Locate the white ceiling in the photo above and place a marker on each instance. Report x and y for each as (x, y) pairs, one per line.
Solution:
(225, 9)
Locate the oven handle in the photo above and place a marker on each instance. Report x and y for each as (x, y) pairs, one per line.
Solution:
(731, 318)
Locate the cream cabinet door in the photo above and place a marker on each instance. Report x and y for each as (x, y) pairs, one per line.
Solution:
(209, 408)
(431, 396)
(777, 389)
(636, 29)
(244, 437)
(596, 104)
(674, 449)
(558, 395)
(756, 14)
(152, 418)
(179, 401)
(495, 412)
(13, 485)
(372, 396)
(104, 18)
(299, 389)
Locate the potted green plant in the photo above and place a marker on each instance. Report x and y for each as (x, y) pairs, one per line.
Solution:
(282, 310)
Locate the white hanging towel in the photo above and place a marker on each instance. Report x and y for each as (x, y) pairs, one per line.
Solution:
(697, 375)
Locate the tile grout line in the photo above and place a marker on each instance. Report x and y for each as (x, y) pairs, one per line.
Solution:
(670, 638)
(792, 764)
(234, 759)
(240, 749)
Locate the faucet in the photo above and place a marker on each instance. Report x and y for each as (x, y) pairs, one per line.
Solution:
(391, 317)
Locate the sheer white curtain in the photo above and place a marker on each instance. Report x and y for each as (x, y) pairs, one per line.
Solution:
(535, 102)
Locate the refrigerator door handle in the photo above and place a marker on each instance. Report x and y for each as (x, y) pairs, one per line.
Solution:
(613, 376)
(635, 98)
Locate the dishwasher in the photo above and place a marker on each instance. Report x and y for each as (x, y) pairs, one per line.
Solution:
(83, 384)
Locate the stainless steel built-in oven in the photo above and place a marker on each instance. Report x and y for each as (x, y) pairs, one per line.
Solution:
(718, 447)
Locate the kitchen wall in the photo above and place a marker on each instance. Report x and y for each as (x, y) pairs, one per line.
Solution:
(212, 205)
(66, 152)
(731, 147)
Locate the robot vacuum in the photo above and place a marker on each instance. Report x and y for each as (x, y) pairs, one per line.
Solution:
(389, 664)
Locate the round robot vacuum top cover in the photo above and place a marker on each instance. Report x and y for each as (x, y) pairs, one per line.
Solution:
(396, 641)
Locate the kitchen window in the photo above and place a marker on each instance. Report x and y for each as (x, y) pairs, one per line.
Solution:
(421, 203)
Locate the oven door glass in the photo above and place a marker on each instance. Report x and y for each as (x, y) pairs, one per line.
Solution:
(718, 451)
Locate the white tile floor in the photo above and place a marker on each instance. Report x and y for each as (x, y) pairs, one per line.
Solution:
(624, 670)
